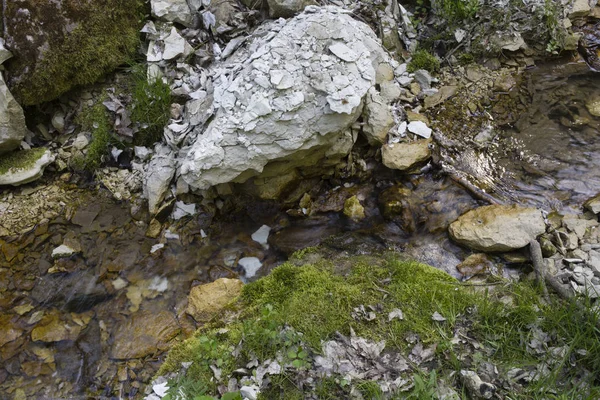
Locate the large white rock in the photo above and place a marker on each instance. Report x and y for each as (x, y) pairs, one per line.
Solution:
(289, 94)
(12, 120)
(498, 228)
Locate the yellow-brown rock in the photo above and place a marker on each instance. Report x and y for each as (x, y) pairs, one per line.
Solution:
(207, 301)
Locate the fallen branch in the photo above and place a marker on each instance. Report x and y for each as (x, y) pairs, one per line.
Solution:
(535, 250)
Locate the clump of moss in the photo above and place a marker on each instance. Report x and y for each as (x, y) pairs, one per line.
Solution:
(151, 102)
(18, 160)
(96, 120)
(422, 59)
(106, 36)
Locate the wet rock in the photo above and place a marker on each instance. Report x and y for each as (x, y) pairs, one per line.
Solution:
(24, 166)
(289, 240)
(304, 103)
(77, 291)
(395, 204)
(144, 334)
(287, 8)
(353, 209)
(207, 301)
(593, 106)
(498, 228)
(60, 44)
(251, 265)
(593, 204)
(12, 120)
(53, 329)
(9, 331)
(403, 156)
(172, 11)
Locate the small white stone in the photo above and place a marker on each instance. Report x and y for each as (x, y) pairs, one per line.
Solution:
(119, 283)
(156, 248)
(262, 235)
(251, 265)
(161, 389)
(62, 251)
(420, 128)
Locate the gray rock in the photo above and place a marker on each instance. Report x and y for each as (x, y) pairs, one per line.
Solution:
(580, 8)
(498, 228)
(157, 178)
(4, 53)
(423, 78)
(12, 120)
(296, 90)
(172, 11)
(593, 204)
(287, 8)
(25, 166)
(379, 118)
(403, 156)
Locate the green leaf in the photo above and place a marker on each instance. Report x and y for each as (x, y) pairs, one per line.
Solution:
(232, 396)
(302, 354)
(298, 363)
(292, 354)
(204, 398)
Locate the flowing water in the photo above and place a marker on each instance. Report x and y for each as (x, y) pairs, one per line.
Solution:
(98, 323)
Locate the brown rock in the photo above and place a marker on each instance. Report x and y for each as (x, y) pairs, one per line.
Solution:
(52, 329)
(498, 228)
(474, 264)
(403, 156)
(143, 334)
(9, 331)
(207, 301)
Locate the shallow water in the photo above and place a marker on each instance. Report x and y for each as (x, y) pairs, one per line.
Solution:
(116, 291)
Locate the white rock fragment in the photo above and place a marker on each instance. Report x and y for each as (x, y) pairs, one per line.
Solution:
(161, 389)
(251, 265)
(175, 46)
(437, 317)
(181, 210)
(420, 128)
(21, 174)
(159, 284)
(156, 248)
(249, 392)
(343, 52)
(262, 235)
(63, 251)
(396, 313)
(141, 152)
(119, 283)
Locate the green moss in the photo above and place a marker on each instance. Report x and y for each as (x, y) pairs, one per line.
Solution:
(18, 160)
(96, 120)
(288, 314)
(106, 37)
(422, 59)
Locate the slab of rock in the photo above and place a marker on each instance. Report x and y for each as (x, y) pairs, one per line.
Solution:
(403, 156)
(24, 166)
(157, 178)
(144, 334)
(12, 120)
(291, 96)
(9, 330)
(52, 329)
(498, 228)
(172, 11)
(207, 301)
(379, 118)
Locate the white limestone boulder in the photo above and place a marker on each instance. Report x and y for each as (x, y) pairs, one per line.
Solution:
(289, 95)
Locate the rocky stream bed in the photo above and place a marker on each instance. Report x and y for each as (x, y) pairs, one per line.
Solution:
(267, 152)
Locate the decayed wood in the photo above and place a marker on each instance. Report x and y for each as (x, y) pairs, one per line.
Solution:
(537, 259)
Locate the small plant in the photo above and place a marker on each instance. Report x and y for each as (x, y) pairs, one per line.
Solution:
(422, 59)
(151, 102)
(456, 11)
(425, 387)
(96, 120)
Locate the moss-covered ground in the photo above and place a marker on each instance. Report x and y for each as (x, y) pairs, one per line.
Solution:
(287, 315)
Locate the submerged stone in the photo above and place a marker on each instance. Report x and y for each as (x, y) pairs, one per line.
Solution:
(353, 209)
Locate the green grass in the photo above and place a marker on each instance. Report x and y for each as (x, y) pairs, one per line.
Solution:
(151, 102)
(288, 314)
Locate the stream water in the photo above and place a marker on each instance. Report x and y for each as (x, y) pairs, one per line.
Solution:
(98, 323)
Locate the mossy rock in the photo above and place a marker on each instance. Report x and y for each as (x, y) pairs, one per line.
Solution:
(59, 45)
